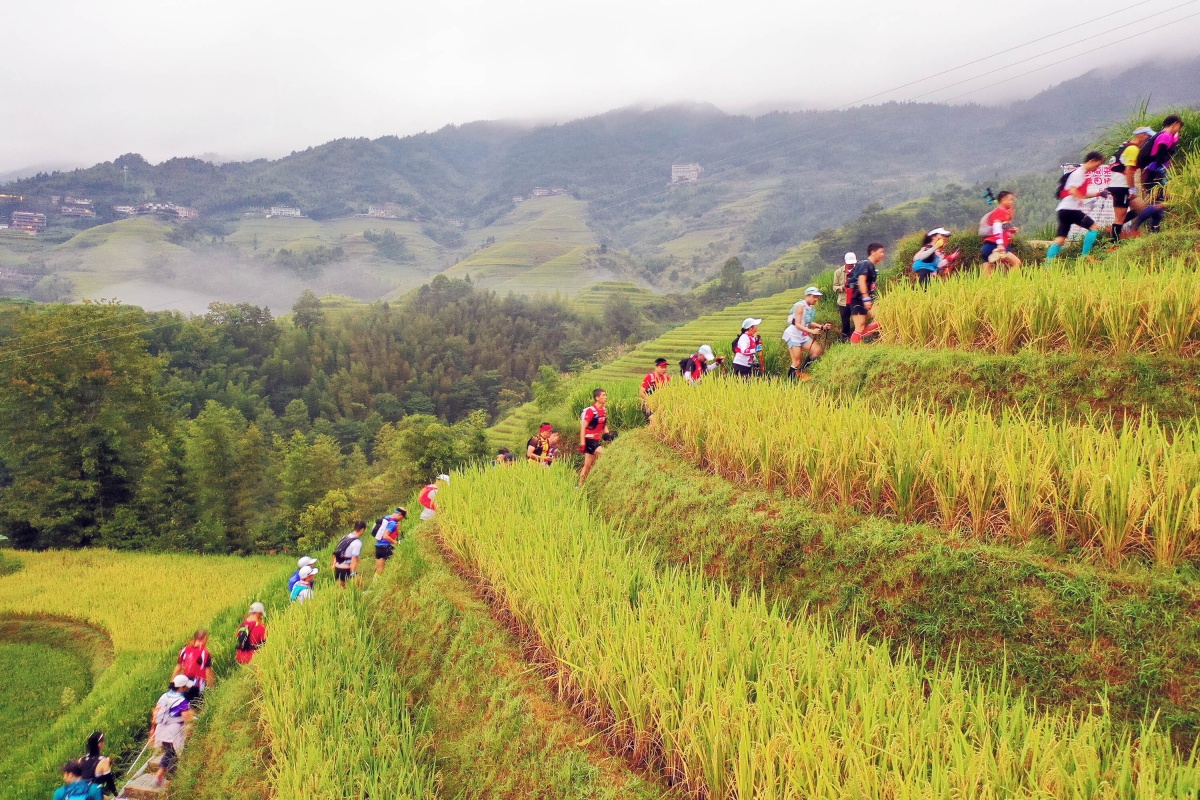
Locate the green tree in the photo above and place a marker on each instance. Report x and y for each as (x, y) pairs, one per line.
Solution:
(306, 311)
(79, 400)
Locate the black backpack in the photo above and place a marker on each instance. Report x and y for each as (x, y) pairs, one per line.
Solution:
(1146, 154)
(339, 550)
(1062, 185)
(378, 524)
(1116, 164)
(687, 366)
(243, 638)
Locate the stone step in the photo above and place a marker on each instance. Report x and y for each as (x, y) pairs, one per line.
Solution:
(144, 787)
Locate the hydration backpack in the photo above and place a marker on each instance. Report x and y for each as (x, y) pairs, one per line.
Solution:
(339, 551)
(378, 527)
(1115, 162)
(985, 227)
(190, 660)
(687, 366)
(244, 643)
(1146, 153)
(1062, 184)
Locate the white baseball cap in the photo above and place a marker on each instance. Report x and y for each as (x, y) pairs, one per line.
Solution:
(813, 292)
(444, 477)
(257, 608)
(305, 561)
(939, 232)
(1145, 130)
(181, 682)
(750, 322)
(851, 258)
(706, 351)
(307, 571)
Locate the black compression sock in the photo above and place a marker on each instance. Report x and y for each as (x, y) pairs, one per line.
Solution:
(1116, 232)
(791, 372)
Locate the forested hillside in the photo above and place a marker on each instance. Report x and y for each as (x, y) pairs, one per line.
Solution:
(770, 182)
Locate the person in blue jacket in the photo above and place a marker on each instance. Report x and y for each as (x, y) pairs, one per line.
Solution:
(305, 561)
(75, 786)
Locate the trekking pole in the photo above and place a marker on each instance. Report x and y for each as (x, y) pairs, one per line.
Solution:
(137, 759)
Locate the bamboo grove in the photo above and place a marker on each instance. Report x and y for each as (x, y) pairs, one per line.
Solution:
(1120, 490)
(730, 698)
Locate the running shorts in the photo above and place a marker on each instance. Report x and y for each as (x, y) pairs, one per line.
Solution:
(1068, 217)
(590, 446)
(1120, 196)
(342, 575)
(801, 341)
(383, 551)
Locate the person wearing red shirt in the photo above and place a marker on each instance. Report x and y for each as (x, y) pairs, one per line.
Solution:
(252, 634)
(654, 379)
(997, 244)
(593, 432)
(195, 663)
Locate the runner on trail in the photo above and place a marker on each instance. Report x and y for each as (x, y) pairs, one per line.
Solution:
(305, 561)
(1074, 189)
(251, 634)
(195, 664)
(428, 496)
(1124, 176)
(930, 258)
(387, 533)
(747, 349)
(1155, 159)
(303, 590)
(997, 245)
(97, 767)
(839, 291)
(800, 334)
(346, 554)
(654, 378)
(695, 367)
(860, 290)
(593, 432)
(171, 713)
(537, 449)
(74, 786)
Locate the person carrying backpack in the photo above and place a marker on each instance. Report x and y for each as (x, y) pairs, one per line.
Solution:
(305, 561)
(195, 664)
(171, 714)
(387, 533)
(537, 449)
(1154, 159)
(303, 590)
(251, 634)
(74, 786)
(428, 495)
(1073, 189)
(1124, 178)
(747, 349)
(930, 258)
(997, 241)
(839, 291)
(593, 432)
(695, 367)
(800, 333)
(860, 290)
(97, 767)
(346, 553)
(655, 378)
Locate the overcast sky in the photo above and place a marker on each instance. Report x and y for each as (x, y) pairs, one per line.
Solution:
(87, 81)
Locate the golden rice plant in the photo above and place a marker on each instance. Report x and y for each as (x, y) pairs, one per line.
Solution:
(1011, 475)
(735, 700)
(1114, 308)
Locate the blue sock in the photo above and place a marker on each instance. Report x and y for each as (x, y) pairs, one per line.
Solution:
(1053, 251)
(1089, 239)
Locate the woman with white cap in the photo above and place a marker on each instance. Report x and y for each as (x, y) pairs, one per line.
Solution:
(747, 349)
(799, 335)
(929, 259)
(695, 367)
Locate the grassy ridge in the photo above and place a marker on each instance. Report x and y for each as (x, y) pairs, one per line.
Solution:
(1067, 631)
(729, 696)
(1054, 385)
(1077, 484)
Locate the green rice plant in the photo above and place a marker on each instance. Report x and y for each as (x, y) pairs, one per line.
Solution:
(334, 712)
(1011, 475)
(732, 698)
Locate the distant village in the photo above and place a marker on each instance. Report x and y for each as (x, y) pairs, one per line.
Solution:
(34, 222)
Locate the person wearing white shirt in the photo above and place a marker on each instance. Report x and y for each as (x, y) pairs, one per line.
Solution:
(1070, 205)
(747, 349)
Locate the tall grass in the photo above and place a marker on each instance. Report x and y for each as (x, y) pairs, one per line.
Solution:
(1132, 489)
(732, 699)
(1116, 308)
(334, 711)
